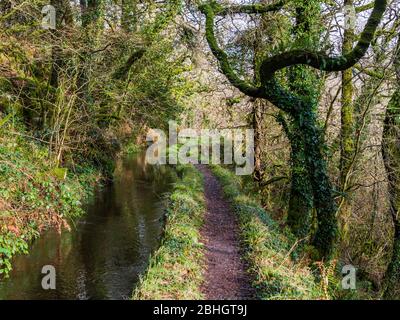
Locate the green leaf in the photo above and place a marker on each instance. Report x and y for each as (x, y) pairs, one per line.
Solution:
(5, 119)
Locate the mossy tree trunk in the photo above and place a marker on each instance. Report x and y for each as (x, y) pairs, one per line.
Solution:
(305, 83)
(302, 110)
(129, 19)
(301, 195)
(257, 118)
(91, 12)
(64, 20)
(347, 141)
(391, 157)
(324, 202)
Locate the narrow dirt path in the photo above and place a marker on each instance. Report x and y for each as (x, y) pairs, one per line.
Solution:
(226, 277)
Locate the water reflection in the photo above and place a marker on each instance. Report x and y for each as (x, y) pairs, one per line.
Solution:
(104, 255)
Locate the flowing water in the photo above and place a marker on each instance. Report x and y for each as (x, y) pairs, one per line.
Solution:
(104, 254)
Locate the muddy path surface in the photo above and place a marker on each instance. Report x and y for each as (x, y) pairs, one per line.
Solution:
(226, 277)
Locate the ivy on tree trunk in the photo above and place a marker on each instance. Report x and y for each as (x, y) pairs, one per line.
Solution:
(299, 108)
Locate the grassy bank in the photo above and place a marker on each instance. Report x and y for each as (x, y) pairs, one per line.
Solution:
(34, 194)
(267, 249)
(175, 269)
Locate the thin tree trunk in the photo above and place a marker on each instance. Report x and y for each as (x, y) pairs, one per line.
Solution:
(347, 143)
(257, 117)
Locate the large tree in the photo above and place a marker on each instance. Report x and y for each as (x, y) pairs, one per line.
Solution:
(300, 108)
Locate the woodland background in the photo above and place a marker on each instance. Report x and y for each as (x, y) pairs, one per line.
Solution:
(72, 98)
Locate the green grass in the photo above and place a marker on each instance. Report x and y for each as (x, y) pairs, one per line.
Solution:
(33, 196)
(132, 148)
(268, 249)
(176, 268)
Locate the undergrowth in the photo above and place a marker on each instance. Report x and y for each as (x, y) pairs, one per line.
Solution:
(33, 194)
(175, 269)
